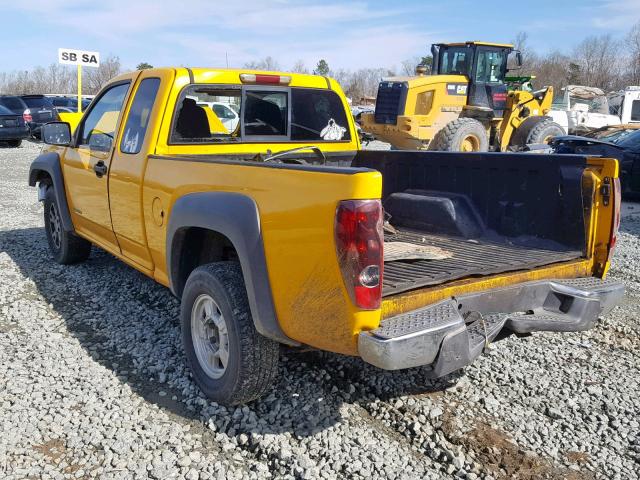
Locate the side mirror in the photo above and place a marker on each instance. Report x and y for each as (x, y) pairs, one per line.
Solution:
(56, 133)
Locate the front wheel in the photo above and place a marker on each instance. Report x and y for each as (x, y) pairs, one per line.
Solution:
(231, 362)
(66, 247)
(15, 143)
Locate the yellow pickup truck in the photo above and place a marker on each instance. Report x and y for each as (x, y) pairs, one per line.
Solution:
(246, 193)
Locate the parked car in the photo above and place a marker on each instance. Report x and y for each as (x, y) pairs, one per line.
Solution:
(40, 110)
(615, 141)
(275, 233)
(68, 104)
(12, 127)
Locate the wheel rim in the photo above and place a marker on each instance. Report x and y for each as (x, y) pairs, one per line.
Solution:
(210, 336)
(470, 143)
(55, 228)
(547, 139)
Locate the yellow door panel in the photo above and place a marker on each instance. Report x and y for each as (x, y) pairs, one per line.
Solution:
(136, 142)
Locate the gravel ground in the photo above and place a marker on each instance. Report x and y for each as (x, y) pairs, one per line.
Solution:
(93, 384)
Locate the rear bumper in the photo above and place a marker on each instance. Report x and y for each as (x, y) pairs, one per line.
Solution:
(453, 333)
(13, 133)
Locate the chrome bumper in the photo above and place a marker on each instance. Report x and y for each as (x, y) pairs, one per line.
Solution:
(451, 334)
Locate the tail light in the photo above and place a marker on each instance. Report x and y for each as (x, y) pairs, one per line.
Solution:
(617, 205)
(359, 245)
(27, 116)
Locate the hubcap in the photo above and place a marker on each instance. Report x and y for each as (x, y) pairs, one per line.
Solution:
(54, 226)
(470, 143)
(210, 336)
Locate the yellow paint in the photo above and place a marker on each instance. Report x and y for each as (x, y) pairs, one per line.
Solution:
(73, 119)
(297, 211)
(215, 125)
(79, 88)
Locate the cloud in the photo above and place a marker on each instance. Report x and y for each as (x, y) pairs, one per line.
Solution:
(200, 32)
(614, 14)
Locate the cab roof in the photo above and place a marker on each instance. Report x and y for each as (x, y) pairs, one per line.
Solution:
(476, 42)
(232, 76)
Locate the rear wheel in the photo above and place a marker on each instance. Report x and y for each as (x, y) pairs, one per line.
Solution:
(231, 362)
(536, 130)
(66, 247)
(461, 135)
(14, 143)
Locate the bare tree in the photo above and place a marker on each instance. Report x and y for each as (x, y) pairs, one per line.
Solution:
(97, 77)
(267, 63)
(633, 61)
(299, 67)
(599, 62)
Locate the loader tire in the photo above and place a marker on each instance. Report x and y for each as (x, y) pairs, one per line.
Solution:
(536, 131)
(461, 135)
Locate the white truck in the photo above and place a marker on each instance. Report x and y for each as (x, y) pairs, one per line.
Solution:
(579, 109)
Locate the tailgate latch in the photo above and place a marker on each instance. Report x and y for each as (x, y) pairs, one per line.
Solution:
(605, 191)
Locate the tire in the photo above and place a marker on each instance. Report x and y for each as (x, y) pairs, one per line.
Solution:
(66, 247)
(15, 143)
(536, 130)
(461, 135)
(215, 313)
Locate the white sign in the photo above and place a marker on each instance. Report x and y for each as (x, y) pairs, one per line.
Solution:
(68, 56)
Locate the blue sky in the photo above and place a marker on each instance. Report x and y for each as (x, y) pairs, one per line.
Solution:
(365, 33)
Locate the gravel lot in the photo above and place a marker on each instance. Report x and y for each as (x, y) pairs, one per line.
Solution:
(93, 384)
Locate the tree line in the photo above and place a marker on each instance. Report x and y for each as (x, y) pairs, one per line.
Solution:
(600, 61)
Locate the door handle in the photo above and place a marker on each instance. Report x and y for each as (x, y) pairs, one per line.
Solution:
(100, 168)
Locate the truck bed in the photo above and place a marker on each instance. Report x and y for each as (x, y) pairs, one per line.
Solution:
(494, 212)
(470, 257)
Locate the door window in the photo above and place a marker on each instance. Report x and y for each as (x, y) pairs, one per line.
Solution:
(99, 126)
(139, 114)
(490, 67)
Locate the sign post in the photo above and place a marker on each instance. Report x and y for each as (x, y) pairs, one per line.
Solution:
(67, 56)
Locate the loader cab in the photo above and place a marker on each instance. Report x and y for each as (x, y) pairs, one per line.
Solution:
(484, 65)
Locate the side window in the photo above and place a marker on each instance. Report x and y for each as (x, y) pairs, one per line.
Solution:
(265, 113)
(635, 111)
(317, 115)
(99, 126)
(138, 118)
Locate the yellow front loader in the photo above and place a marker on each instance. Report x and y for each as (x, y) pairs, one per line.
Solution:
(464, 106)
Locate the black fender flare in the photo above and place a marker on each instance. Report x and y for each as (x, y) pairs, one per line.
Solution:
(49, 163)
(235, 216)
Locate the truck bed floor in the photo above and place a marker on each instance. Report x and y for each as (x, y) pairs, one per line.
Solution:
(477, 257)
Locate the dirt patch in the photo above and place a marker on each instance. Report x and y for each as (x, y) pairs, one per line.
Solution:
(503, 458)
(578, 457)
(53, 449)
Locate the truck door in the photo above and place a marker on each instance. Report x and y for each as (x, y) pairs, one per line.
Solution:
(126, 175)
(86, 166)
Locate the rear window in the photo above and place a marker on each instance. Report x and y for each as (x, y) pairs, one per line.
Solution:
(5, 111)
(12, 103)
(318, 115)
(36, 102)
(213, 114)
